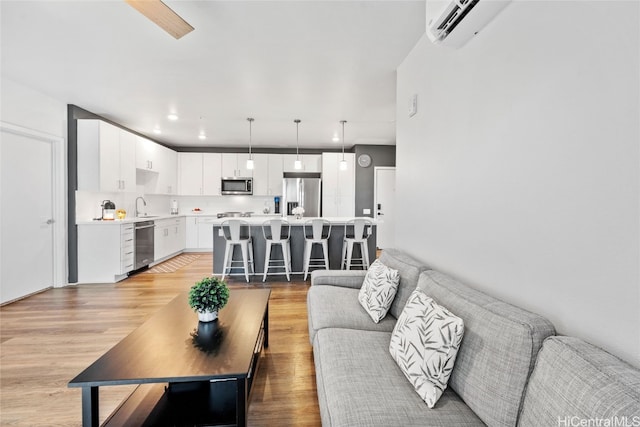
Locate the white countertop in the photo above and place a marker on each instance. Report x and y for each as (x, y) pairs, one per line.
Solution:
(128, 220)
(212, 218)
(257, 220)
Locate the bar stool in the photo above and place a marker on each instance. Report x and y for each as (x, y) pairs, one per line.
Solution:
(356, 232)
(237, 232)
(277, 232)
(316, 231)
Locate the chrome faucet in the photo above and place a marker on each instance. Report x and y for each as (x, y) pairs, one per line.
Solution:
(137, 211)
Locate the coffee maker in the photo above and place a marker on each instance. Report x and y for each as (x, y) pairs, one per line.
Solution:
(108, 210)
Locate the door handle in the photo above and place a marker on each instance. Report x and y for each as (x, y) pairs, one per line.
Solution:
(380, 213)
(50, 221)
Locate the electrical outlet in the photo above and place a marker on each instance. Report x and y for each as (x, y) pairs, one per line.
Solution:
(366, 211)
(220, 233)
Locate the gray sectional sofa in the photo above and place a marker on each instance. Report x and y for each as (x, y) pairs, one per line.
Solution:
(511, 369)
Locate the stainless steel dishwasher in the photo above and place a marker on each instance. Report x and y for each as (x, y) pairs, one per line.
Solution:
(144, 243)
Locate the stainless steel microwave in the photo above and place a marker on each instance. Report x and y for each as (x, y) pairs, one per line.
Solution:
(236, 185)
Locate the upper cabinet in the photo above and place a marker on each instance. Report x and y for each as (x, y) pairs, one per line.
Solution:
(235, 165)
(267, 174)
(106, 157)
(211, 174)
(190, 174)
(147, 154)
(199, 174)
(156, 167)
(338, 186)
(310, 163)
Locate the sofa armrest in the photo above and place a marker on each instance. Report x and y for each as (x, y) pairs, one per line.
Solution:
(344, 278)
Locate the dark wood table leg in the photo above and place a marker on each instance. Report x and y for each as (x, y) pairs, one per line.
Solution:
(242, 405)
(266, 326)
(90, 407)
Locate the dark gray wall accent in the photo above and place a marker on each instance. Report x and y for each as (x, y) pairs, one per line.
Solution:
(73, 114)
(381, 155)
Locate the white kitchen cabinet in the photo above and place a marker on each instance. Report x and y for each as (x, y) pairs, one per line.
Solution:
(310, 163)
(205, 232)
(168, 172)
(338, 186)
(199, 174)
(191, 241)
(147, 154)
(211, 174)
(156, 167)
(169, 238)
(190, 174)
(105, 252)
(267, 174)
(235, 165)
(106, 157)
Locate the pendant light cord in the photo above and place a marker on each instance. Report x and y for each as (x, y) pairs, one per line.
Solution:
(250, 120)
(297, 121)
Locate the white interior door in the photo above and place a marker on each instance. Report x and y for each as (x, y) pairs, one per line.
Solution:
(26, 215)
(384, 200)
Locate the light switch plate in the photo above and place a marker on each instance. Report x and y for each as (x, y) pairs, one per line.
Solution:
(220, 232)
(413, 105)
(366, 211)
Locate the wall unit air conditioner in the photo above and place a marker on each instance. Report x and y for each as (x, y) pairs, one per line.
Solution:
(454, 22)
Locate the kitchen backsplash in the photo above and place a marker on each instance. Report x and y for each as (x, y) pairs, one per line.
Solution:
(88, 204)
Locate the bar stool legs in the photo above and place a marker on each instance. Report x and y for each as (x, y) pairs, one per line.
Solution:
(246, 249)
(234, 237)
(355, 233)
(308, 246)
(286, 258)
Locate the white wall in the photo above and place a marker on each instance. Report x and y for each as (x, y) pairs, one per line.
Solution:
(35, 111)
(526, 148)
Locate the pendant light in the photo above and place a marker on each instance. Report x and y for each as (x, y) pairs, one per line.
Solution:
(343, 162)
(250, 159)
(297, 164)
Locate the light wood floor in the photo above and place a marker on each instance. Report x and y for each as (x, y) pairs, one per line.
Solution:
(48, 338)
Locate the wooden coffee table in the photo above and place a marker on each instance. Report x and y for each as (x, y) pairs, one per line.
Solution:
(190, 373)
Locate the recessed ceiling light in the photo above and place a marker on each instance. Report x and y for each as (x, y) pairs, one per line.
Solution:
(202, 136)
(172, 117)
(335, 138)
(157, 131)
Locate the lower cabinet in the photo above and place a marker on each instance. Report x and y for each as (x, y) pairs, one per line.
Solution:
(200, 233)
(169, 237)
(105, 252)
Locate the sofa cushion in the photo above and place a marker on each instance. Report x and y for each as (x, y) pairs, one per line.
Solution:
(359, 384)
(378, 290)
(345, 278)
(498, 350)
(574, 380)
(409, 270)
(424, 344)
(338, 307)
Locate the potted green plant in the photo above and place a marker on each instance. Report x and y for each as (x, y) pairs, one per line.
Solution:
(208, 296)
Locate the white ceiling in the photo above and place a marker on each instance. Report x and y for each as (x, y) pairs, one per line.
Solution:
(319, 61)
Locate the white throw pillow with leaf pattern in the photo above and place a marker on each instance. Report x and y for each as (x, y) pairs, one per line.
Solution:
(424, 344)
(378, 290)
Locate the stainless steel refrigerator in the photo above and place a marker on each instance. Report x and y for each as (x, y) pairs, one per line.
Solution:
(302, 189)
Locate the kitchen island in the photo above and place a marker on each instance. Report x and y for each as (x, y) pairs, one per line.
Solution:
(297, 245)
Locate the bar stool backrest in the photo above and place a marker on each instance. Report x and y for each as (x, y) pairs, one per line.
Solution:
(236, 229)
(357, 228)
(317, 229)
(276, 230)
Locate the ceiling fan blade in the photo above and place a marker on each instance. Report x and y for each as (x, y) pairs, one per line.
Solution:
(163, 16)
